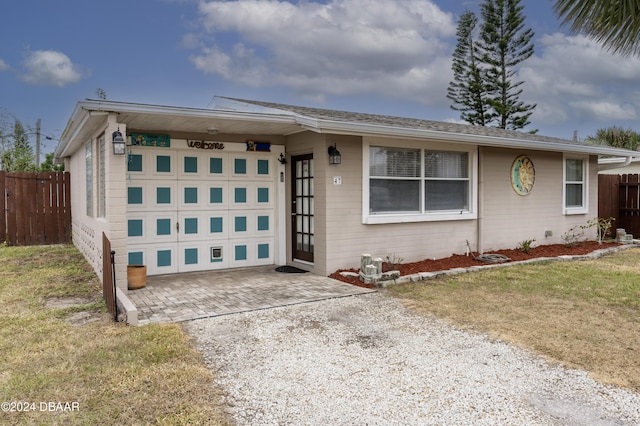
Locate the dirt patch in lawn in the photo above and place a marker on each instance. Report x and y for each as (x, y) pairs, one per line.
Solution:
(77, 311)
(66, 302)
(463, 261)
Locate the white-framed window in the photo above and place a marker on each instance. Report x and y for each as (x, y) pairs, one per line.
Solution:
(409, 182)
(102, 153)
(576, 185)
(88, 150)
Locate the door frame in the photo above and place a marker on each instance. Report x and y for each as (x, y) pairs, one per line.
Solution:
(307, 256)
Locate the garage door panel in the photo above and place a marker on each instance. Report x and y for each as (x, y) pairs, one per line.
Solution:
(218, 225)
(217, 195)
(160, 258)
(151, 163)
(202, 255)
(241, 253)
(163, 195)
(137, 255)
(251, 166)
(264, 251)
(210, 196)
(264, 223)
(217, 165)
(162, 164)
(264, 195)
(218, 254)
(150, 195)
(146, 162)
(251, 252)
(251, 223)
(198, 225)
(191, 166)
(137, 231)
(160, 226)
(137, 196)
(251, 195)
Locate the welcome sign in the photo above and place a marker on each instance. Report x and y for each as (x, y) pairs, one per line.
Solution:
(148, 139)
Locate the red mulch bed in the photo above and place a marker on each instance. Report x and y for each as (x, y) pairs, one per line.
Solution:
(462, 261)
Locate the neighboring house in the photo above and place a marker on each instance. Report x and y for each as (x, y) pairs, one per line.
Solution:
(252, 183)
(619, 166)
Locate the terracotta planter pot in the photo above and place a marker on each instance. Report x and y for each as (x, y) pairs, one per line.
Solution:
(136, 276)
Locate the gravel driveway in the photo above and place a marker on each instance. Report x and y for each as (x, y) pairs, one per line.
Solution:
(366, 360)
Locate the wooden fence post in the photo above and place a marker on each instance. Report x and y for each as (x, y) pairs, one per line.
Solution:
(3, 209)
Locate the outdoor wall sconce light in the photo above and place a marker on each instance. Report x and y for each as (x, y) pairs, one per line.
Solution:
(118, 143)
(281, 159)
(334, 155)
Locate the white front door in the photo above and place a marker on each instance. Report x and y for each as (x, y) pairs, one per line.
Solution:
(196, 209)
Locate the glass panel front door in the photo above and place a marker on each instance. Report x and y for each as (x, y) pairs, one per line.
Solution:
(302, 207)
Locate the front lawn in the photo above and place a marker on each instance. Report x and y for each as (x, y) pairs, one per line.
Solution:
(57, 370)
(584, 314)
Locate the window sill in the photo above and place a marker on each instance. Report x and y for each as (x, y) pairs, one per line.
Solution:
(409, 218)
(576, 210)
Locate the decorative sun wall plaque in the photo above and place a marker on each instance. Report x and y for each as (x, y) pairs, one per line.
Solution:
(523, 175)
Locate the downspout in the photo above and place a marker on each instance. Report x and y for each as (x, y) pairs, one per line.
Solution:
(480, 220)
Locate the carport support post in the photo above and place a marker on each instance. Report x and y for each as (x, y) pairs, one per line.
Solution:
(116, 201)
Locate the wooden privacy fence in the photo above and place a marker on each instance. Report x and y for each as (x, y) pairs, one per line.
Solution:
(619, 197)
(35, 208)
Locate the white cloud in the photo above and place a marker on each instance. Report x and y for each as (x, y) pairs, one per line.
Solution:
(50, 68)
(384, 47)
(3, 65)
(574, 78)
(399, 50)
(606, 109)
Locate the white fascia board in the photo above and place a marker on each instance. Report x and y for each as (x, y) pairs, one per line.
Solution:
(276, 117)
(328, 126)
(78, 119)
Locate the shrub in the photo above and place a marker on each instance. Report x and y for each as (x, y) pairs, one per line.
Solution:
(603, 226)
(573, 236)
(525, 246)
(576, 234)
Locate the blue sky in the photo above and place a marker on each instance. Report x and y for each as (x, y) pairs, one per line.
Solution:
(375, 56)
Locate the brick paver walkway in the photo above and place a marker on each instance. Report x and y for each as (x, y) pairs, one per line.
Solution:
(188, 296)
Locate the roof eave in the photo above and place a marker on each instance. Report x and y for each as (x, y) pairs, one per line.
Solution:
(350, 128)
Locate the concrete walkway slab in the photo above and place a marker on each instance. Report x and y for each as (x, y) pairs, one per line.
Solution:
(194, 295)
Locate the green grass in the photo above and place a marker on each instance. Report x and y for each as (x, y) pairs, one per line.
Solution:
(117, 374)
(584, 314)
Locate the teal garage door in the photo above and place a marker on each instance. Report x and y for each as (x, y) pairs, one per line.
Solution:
(197, 210)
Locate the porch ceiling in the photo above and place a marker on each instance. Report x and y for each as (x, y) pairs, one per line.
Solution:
(200, 124)
(91, 116)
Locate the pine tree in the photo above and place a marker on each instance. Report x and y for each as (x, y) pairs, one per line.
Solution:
(20, 157)
(504, 44)
(467, 90)
(484, 87)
